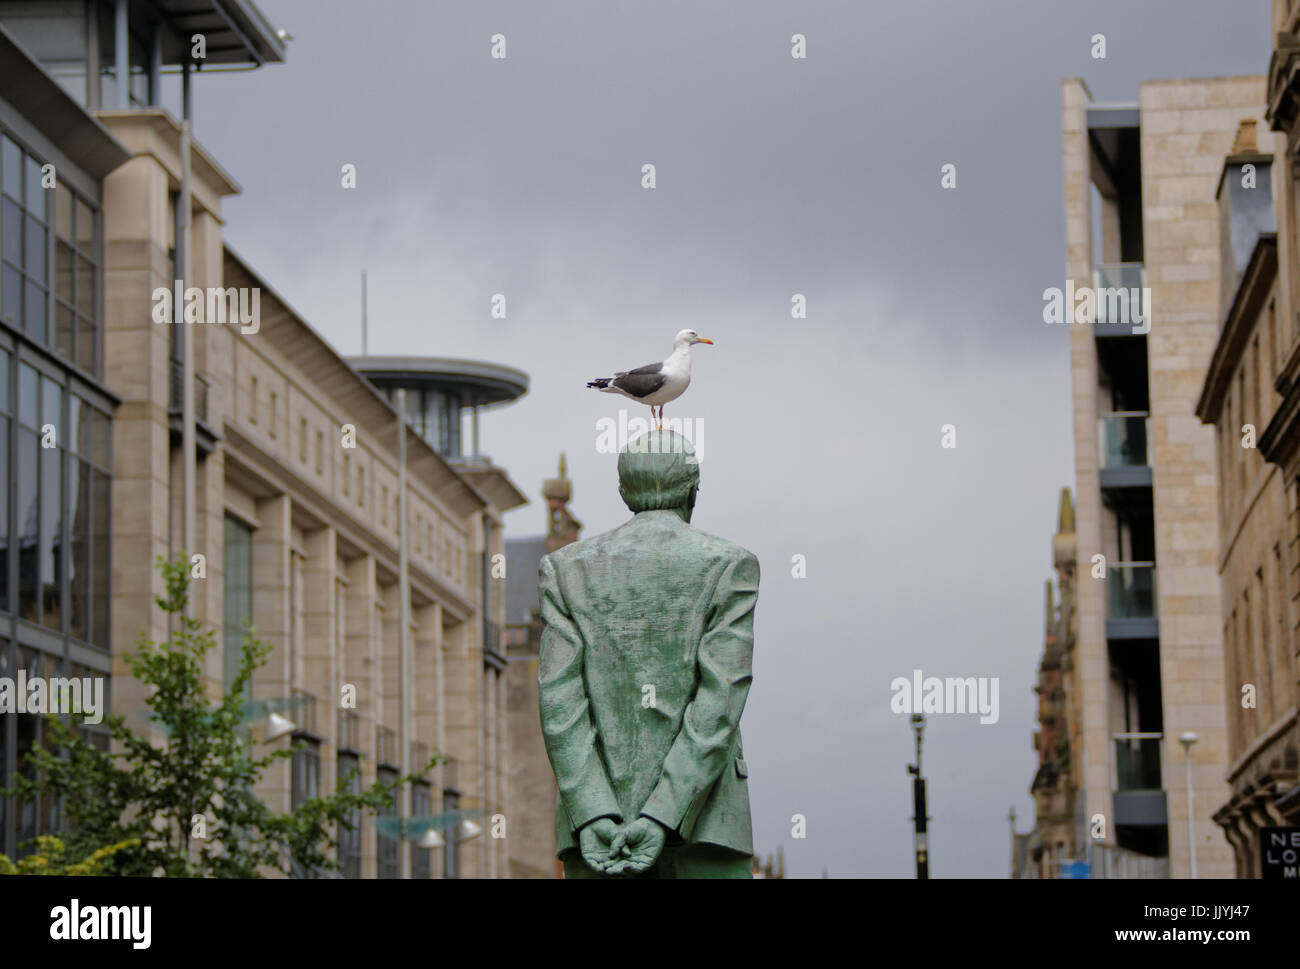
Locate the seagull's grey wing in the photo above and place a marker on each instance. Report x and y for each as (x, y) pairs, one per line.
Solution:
(641, 382)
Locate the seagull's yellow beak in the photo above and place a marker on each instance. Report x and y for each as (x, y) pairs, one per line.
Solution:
(702, 340)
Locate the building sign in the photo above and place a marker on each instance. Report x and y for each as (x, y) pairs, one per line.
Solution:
(1279, 851)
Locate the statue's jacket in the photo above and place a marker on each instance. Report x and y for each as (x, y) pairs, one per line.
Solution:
(644, 669)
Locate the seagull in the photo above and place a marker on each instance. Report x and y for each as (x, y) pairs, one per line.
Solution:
(657, 383)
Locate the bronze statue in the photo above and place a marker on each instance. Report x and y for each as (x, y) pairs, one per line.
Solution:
(644, 671)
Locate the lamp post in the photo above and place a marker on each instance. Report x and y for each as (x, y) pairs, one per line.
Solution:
(919, 819)
(1187, 739)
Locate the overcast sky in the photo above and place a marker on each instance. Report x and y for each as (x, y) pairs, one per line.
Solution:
(775, 176)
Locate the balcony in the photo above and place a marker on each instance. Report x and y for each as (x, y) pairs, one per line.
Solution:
(1131, 600)
(1137, 779)
(1123, 459)
(1120, 309)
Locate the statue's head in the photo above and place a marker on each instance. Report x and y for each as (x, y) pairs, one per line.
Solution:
(658, 471)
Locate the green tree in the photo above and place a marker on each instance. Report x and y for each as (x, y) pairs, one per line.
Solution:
(51, 858)
(142, 798)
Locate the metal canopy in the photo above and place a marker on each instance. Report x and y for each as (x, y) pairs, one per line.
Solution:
(235, 31)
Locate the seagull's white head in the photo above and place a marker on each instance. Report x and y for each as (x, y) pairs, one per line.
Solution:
(686, 338)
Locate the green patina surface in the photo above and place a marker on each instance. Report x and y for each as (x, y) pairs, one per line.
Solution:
(645, 667)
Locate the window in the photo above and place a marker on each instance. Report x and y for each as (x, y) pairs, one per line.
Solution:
(55, 497)
(24, 236)
(450, 853)
(5, 362)
(252, 401)
(1243, 419)
(238, 595)
(349, 838)
(1264, 623)
(347, 474)
(361, 484)
(386, 846)
(6, 728)
(1248, 667)
(51, 501)
(49, 270)
(320, 451)
(421, 807)
(1274, 355)
(414, 413)
(305, 784)
(274, 416)
(302, 440)
(60, 453)
(1258, 403)
(383, 502)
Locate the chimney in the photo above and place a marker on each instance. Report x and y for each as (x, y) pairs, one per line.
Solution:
(1246, 141)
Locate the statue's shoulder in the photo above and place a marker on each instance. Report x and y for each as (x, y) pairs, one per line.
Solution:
(579, 549)
(723, 549)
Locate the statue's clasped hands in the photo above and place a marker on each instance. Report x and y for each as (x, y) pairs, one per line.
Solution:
(618, 849)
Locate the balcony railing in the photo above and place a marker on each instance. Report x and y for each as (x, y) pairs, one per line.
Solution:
(1118, 291)
(386, 750)
(1123, 438)
(1132, 590)
(303, 711)
(201, 386)
(349, 730)
(1139, 762)
(1109, 861)
(419, 755)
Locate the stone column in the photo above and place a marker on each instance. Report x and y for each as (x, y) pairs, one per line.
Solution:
(360, 640)
(320, 639)
(271, 617)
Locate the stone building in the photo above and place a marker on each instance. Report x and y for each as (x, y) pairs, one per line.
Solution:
(533, 854)
(1239, 398)
(1251, 395)
(358, 540)
(1143, 241)
(1058, 834)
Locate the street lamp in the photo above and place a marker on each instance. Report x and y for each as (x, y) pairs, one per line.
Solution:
(1187, 739)
(921, 843)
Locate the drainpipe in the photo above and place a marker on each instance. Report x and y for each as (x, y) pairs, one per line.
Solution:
(404, 638)
(190, 470)
(121, 56)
